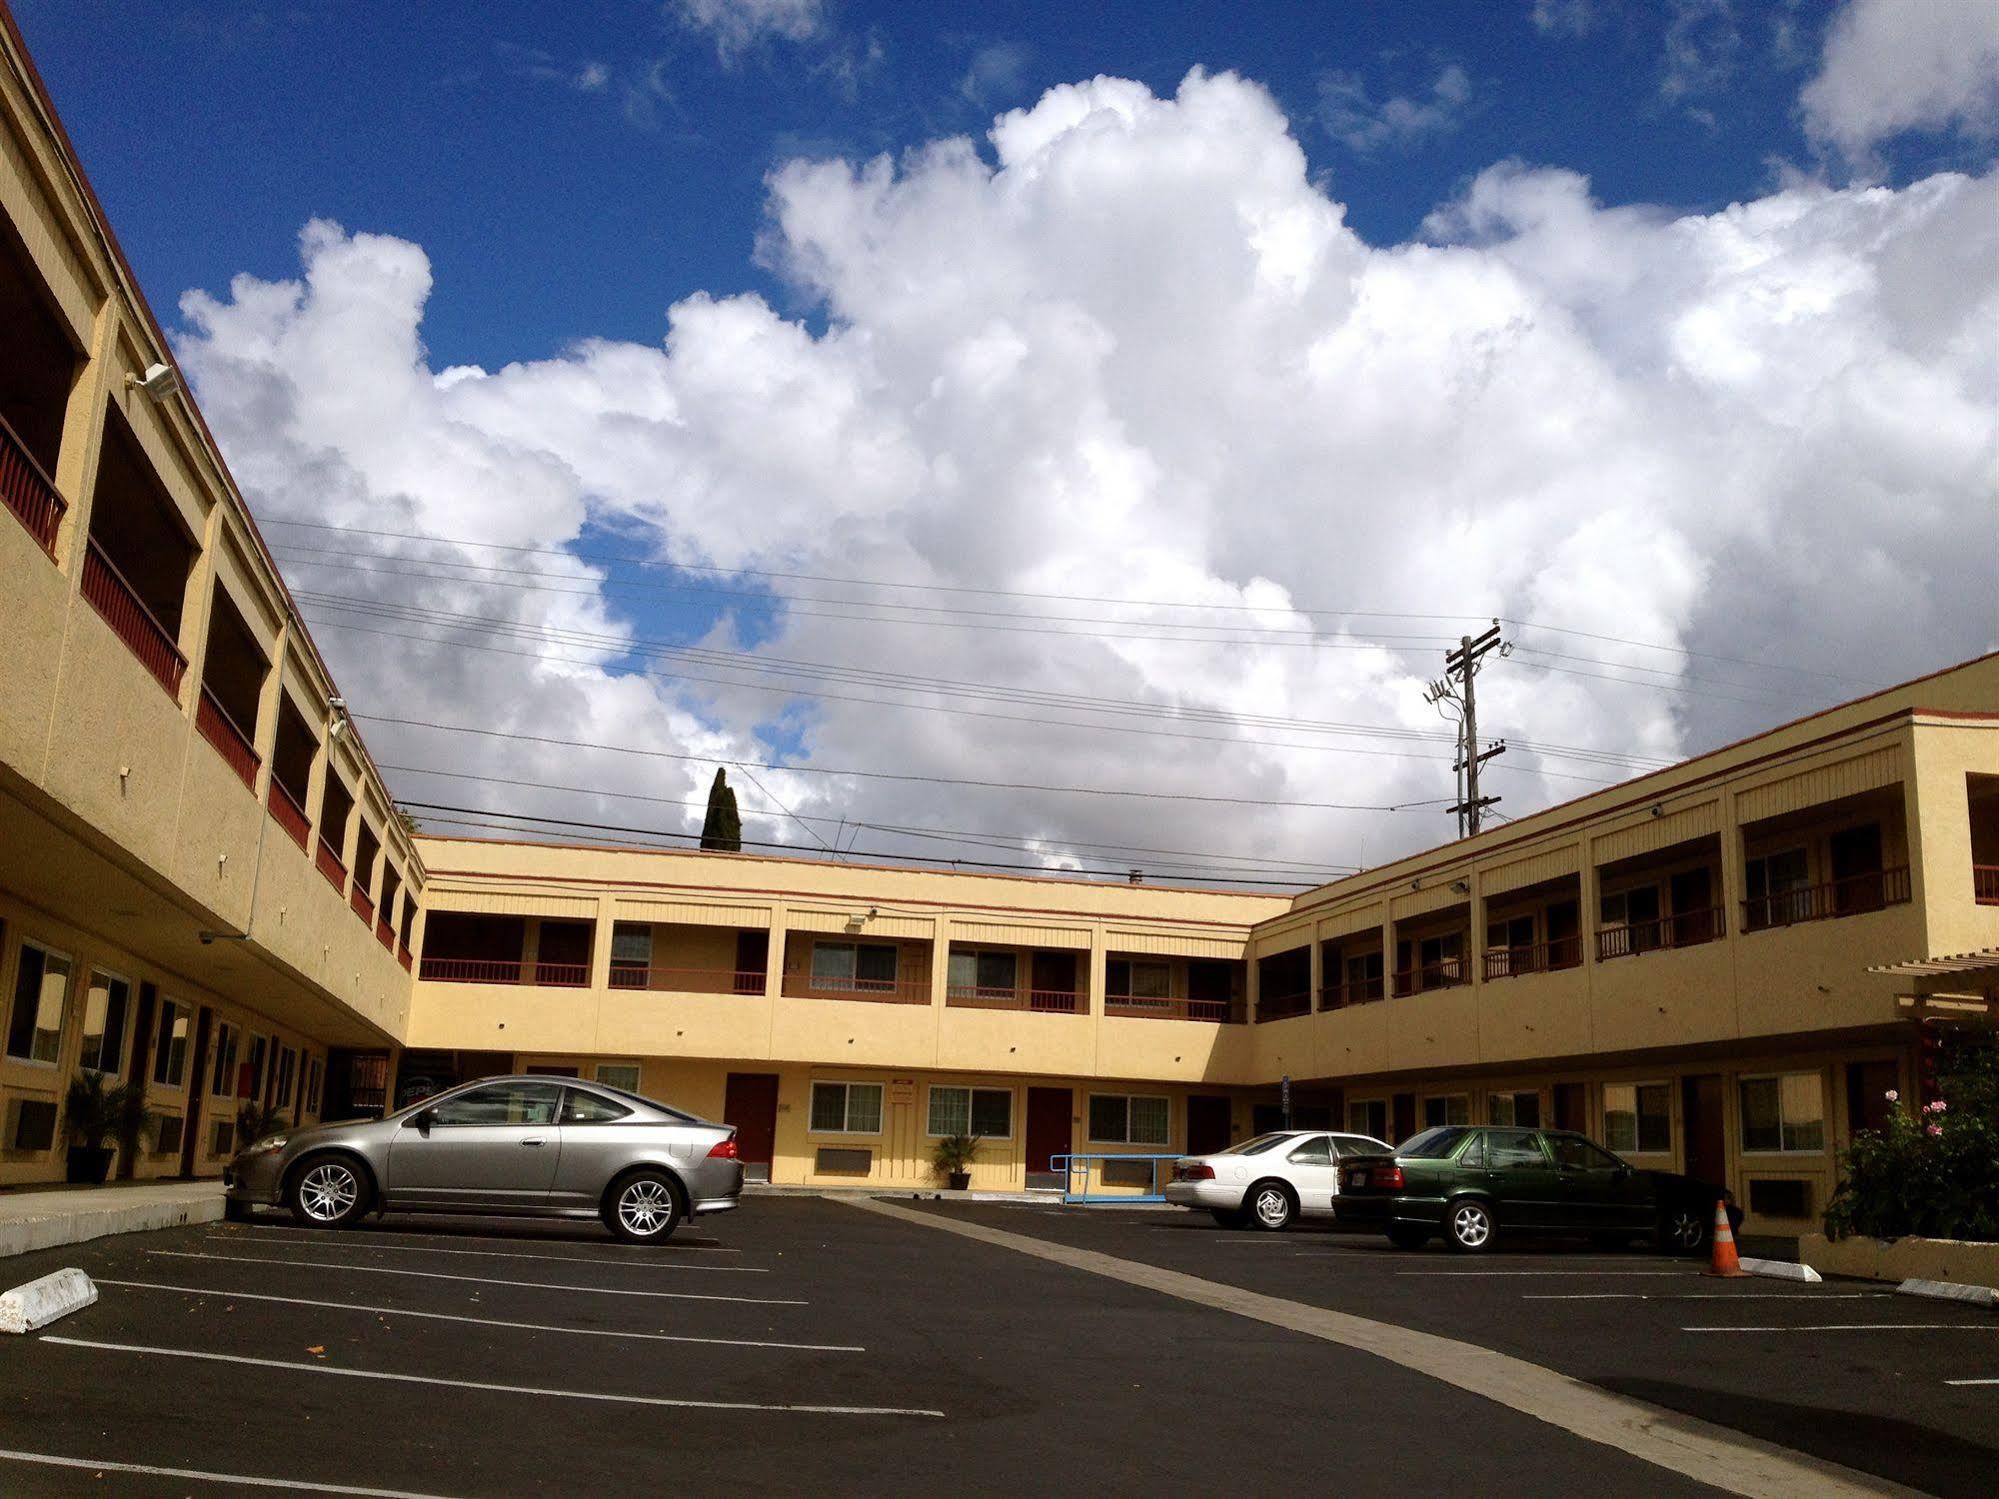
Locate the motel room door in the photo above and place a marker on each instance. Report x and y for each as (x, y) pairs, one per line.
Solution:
(1208, 1125)
(1048, 1111)
(1705, 1131)
(749, 1102)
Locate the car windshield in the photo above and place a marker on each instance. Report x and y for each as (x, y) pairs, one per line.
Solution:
(1433, 1144)
(1257, 1146)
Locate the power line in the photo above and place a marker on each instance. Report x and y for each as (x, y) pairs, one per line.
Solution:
(882, 775)
(627, 560)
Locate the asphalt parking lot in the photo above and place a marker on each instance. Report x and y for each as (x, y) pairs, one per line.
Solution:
(804, 1344)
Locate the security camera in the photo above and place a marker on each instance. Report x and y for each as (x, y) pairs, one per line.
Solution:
(160, 381)
(338, 726)
(207, 939)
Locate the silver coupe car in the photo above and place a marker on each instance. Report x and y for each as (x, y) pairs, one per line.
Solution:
(533, 1146)
(1269, 1181)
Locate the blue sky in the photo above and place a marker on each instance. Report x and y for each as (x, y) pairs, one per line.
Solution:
(574, 169)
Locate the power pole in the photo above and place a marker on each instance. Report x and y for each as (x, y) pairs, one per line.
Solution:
(1457, 688)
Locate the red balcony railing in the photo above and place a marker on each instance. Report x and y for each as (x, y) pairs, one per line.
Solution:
(1283, 1006)
(1848, 897)
(28, 491)
(230, 742)
(1445, 973)
(363, 904)
(328, 860)
(403, 955)
(1146, 1007)
(687, 980)
(131, 621)
(1985, 884)
(991, 997)
(1536, 957)
(474, 970)
(1682, 929)
(562, 975)
(873, 991)
(1351, 992)
(385, 934)
(288, 814)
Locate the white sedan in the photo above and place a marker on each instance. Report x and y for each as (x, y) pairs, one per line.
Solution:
(1271, 1180)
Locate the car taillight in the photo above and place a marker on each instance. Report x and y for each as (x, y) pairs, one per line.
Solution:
(1196, 1171)
(723, 1150)
(1386, 1176)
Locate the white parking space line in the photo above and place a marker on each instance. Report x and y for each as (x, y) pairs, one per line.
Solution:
(245, 1480)
(497, 1389)
(1487, 1274)
(265, 1230)
(1962, 1382)
(1705, 1296)
(1858, 1327)
(477, 1280)
(397, 1311)
(488, 1254)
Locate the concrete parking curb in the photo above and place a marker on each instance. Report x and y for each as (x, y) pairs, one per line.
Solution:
(40, 1302)
(48, 1220)
(1782, 1270)
(1944, 1290)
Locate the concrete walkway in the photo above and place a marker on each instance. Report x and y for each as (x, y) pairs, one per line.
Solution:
(68, 1215)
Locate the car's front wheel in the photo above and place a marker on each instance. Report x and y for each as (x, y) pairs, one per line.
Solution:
(643, 1208)
(1469, 1227)
(1271, 1205)
(328, 1191)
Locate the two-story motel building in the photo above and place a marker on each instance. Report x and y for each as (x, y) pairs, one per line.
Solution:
(205, 887)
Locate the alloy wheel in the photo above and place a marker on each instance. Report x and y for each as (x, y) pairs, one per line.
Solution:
(1471, 1225)
(646, 1207)
(1686, 1230)
(328, 1192)
(1273, 1208)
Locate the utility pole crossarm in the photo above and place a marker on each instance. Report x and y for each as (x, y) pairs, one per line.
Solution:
(1461, 668)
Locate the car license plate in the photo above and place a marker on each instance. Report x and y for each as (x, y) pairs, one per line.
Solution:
(1357, 1178)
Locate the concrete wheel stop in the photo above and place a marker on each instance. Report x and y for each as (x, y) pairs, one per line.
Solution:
(40, 1302)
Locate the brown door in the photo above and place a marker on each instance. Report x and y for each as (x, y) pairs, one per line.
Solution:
(1700, 1117)
(1571, 1109)
(1207, 1124)
(1047, 1131)
(197, 1086)
(1867, 1087)
(1403, 1109)
(750, 1104)
(752, 964)
(1856, 869)
(1692, 894)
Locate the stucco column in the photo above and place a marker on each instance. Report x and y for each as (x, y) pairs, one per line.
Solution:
(1590, 916)
(940, 962)
(264, 733)
(600, 945)
(1315, 976)
(83, 442)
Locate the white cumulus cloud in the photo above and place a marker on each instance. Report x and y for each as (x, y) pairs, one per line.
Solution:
(1134, 360)
(1891, 66)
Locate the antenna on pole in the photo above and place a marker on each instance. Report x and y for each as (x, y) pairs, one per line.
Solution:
(1455, 695)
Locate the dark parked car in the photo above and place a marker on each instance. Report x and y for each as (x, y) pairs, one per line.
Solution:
(1474, 1184)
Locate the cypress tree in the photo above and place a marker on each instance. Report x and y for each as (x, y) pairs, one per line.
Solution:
(722, 828)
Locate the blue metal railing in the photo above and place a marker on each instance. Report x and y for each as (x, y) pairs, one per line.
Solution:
(1071, 1166)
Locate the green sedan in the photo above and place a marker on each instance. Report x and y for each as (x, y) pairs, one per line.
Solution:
(1476, 1184)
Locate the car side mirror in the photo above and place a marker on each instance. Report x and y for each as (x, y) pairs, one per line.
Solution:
(422, 1120)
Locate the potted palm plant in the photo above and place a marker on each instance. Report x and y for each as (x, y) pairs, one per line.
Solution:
(98, 1112)
(953, 1159)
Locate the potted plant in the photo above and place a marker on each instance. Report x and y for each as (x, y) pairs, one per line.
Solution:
(953, 1159)
(98, 1112)
(256, 1121)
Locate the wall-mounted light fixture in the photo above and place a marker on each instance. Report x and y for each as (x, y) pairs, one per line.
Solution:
(1461, 886)
(160, 382)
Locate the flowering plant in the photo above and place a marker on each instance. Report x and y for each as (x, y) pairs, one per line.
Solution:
(1934, 1173)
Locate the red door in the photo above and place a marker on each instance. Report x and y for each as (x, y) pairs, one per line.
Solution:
(1706, 1136)
(750, 1104)
(1208, 1125)
(1047, 1130)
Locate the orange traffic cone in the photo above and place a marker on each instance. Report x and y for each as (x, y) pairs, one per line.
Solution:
(1725, 1261)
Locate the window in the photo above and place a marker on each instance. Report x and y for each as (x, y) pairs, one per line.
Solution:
(1521, 1108)
(502, 1103)
(1783, 1113)
(1433, 1144)
(167, 1135)
(170, 1050)
(41, 1005)
(631, 951)
(1451, 1108)
(1578, 1154)
(1128, 977)
(847, 1108)
(222, 1141)
(1513, 1148)
(1364, 977)
(252, 1076)
(312, 1080)
(287, 1075)
(849, 967)
(1255, 1146)
(590, 1108)
(104, 1010)
(1129, 1119)
(1638, 1117)
(1368, 1116)
(1779, 887)
(623, 1075)
(223, 1084)
(1317, 1151)
(1442, 959)
(983, 970)
(985, 1112)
